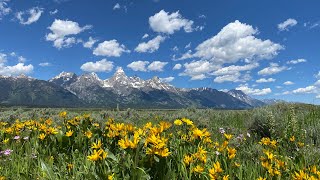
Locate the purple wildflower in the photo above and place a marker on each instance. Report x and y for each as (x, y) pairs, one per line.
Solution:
(7, 152)
(16, 137)
(221, 130)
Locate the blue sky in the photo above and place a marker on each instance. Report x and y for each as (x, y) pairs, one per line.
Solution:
(267, 49)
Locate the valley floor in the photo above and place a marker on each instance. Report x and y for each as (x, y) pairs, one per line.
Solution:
(273, 142)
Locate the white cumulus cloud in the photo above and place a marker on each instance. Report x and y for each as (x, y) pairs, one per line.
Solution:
(147, 66)
(157, 66)
(274, 68)
(138, 65)
(288, 83)
(264, 80)
(306, 90)
(164, 22)
(167, 79)
(54, 12)
(234, 69)
(198, 77)
(188, 46)
(61, 29)
(3, 58)
(227, 77)
(110, 48)
(317, 83)
(199, 70)
(33, 15)
(116, 6)
(145, 36)
(236, 41)
(22, 59)
(17, 69)
(252, 91)
(99, 66)
(44, 64)
(150, 46)
(284, 26)
(177, 66)
(89, 44)
(296, 61)
(4, 9)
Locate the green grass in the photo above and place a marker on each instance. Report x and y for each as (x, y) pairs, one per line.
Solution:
(49, 158)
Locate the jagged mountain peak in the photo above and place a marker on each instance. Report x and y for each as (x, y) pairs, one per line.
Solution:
(64, 75)
(21, 76)
(236, 91)
(119, 73)
(89, 79)
(120, 70)
(202, 89)
(245, 98)
(92, 75)
(156, 79)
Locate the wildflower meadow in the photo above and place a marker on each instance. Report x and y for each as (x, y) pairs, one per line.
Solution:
(275, 142)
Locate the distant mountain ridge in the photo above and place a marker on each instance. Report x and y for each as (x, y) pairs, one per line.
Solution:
(87, 90)
(245, 98)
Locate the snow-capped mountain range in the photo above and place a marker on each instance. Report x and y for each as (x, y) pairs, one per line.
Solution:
(88, 90)
(119, 82)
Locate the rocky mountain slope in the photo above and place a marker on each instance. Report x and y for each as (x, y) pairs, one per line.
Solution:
(88, 90)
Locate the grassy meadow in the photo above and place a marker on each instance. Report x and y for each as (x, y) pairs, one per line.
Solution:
(275, 142)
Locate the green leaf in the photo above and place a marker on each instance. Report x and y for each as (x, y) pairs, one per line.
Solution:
(156, 158)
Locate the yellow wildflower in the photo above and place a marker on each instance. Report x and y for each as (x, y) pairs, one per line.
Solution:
(276, 172)
(227, 136)
(300, 144)
(198, 169)
(226, 177)
(231, 153)
(269, 154)
(187, 121)
(178, 122)
(52, 130)
(217, 167)
(197, 133)
(261, 178)
(63, 114)
(265, 141)
(187, 160)
(96, 124)
(49, 122)
(110, 177)
(148, 125)
(213, 172)
(69, 133)
(273, 143)
(95, 156)
(292, 138)
(124, 143)
(42, 136)
(163, 152)
(9, 130)
(300, 175)
(70, 167)
(96, 145)
(88, 134)
(102, 154)
(5, 141)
